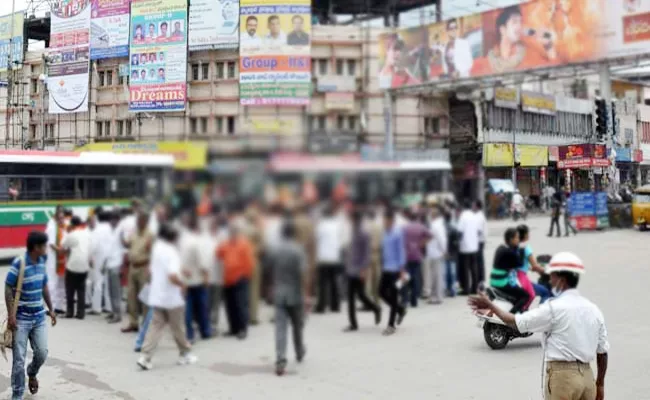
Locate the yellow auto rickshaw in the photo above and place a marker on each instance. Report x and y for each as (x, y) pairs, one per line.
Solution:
(641, 207)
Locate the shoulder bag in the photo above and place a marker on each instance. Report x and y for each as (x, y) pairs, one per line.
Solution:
(7, 338)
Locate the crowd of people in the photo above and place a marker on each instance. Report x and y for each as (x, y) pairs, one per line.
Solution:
(178, 271)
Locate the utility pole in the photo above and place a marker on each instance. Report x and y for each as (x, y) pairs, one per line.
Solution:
(10, 78)
(606, 94)
(389, 138)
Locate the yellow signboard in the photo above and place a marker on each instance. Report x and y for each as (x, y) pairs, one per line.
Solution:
(532, 156)
(272, 126)
(187, 155)
(498, 155)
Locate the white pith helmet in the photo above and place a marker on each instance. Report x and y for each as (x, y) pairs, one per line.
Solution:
(565, 261)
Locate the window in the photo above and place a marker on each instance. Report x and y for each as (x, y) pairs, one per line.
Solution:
(231, 125)
(219, 124)
(340, 122)
(198, 125)
(102, 78)
(226, 125)
(109, 78)
(203, 125)
(99, 127)
(352, 122)
(231, 69)
(317, 122)
(431, 125)
(32, 131)
(339, 67)
(34, 86)
(129, 127)
(195, 72)
(193, 125)
(322, 67)
(220, 70)
(107, 128)
(122, 79)
(49, 131)
(352, 67)
(120, 128)
(205, 71)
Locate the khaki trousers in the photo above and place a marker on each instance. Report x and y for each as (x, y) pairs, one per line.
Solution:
(138, 277)
(372, 280)
(569, 381)
(254, 294)
(175, 317)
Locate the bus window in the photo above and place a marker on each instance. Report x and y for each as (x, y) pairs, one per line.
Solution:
(60, 187)
(95, 188)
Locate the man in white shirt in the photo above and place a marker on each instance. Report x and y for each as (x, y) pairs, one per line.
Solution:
(56, 283)
(210, 241)
(480, 257)
(275, 38)
(574, 333)
(456, 54)
(99, 236)
(196, 275)
(166, 299)
(77, 244)
(114, 258)
(329, 246)
(250, 40)
(434, 271)
(470, 228)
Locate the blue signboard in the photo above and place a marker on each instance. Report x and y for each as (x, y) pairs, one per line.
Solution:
(582, 204)
(601, 204)
(623, 154)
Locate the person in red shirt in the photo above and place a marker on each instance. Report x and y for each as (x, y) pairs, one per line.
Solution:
(237, 257)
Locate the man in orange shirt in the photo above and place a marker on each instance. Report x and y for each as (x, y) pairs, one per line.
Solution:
(237, 257)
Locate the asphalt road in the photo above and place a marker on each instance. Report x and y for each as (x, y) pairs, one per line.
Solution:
(438, 353)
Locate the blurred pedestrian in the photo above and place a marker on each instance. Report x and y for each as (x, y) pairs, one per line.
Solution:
(453, 249)
(113, 262)
(210, 242)
(77, 245)
(435, 259)
(568, 225)
(55, 231)
(375, 231)
(480, 256)
(393, 270)
(289, 266)
(139, 245)
(329, 253)
(236, 255)
(357, 265)
(166, 299)
(416, 235)
(98, 238)
(470, 227)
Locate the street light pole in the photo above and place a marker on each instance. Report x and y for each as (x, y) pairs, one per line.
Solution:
(10, 80)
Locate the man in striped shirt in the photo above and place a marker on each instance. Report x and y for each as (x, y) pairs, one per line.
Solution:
(29, 320)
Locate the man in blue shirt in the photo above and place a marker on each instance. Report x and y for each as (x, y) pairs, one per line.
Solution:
(393, 264)
(29, 321)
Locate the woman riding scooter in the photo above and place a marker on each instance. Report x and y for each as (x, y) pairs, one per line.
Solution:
(503, 277)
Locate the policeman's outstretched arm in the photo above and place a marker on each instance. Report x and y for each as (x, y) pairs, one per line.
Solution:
(482, 302)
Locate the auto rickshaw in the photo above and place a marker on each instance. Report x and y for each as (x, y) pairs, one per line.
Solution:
(641, 207)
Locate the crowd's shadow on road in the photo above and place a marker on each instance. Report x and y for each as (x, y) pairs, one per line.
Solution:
(232, 369)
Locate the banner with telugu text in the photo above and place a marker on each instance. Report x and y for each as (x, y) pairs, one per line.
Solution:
(158, 55)
(275, 52)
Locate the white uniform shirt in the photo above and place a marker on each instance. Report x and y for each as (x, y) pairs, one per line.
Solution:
(437, 246)
(483, 223)
(329, 241)
(470, 226)
(113, 249)
(190, 251)
(50, 231)
(78, 242)
(165, 261)
(125, 228)
(98, 238)
(575, 327)
(208, 253)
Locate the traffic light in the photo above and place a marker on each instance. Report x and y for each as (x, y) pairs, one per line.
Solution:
(614, 120)
(601, 120)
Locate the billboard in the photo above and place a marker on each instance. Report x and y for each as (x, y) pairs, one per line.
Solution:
(582, 156)
(534, 34)
(214, 24)
(109, 29)
(275, 52)
(11, 42)
(69, 56)
(158, 55)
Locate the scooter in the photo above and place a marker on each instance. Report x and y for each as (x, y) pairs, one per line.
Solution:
(495, 332)
(519, 211)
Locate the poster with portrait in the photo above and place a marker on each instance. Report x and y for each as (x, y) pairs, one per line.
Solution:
(531, 35)
(109, 29)
(158, 56)
(69, 56)
(214, 24)
(275, 52)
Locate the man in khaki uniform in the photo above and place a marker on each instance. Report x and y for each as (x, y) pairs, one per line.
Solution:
(139, 245)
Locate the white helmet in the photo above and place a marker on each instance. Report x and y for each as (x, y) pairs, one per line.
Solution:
(565, 261)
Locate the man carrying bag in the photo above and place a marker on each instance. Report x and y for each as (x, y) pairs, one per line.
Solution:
(25, 292)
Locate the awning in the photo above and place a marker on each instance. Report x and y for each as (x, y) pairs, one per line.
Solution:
(501, 185)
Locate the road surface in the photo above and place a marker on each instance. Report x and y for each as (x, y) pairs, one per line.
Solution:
(438, 353)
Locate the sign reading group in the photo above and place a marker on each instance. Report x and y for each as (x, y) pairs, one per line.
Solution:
(69, 56)
(158, 55)
(534, 34)
(109, 29)
(11, 42)
(275, 52)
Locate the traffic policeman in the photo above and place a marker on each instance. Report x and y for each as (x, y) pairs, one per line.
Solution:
(574, 333)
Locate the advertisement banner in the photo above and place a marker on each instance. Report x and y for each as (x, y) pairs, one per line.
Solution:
(187, 155)
(69, 55)
(109, 29)
(506, 98)
(158, 55)
(532, 156)
(275, 52)
(531, 35)
(11, 39)
(339, 101)
(498, 155)
(582, 156)
(214, 24)
(538, 103)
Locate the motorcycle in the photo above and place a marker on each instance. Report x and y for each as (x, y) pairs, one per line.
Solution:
(496, 333)
(519, 211)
